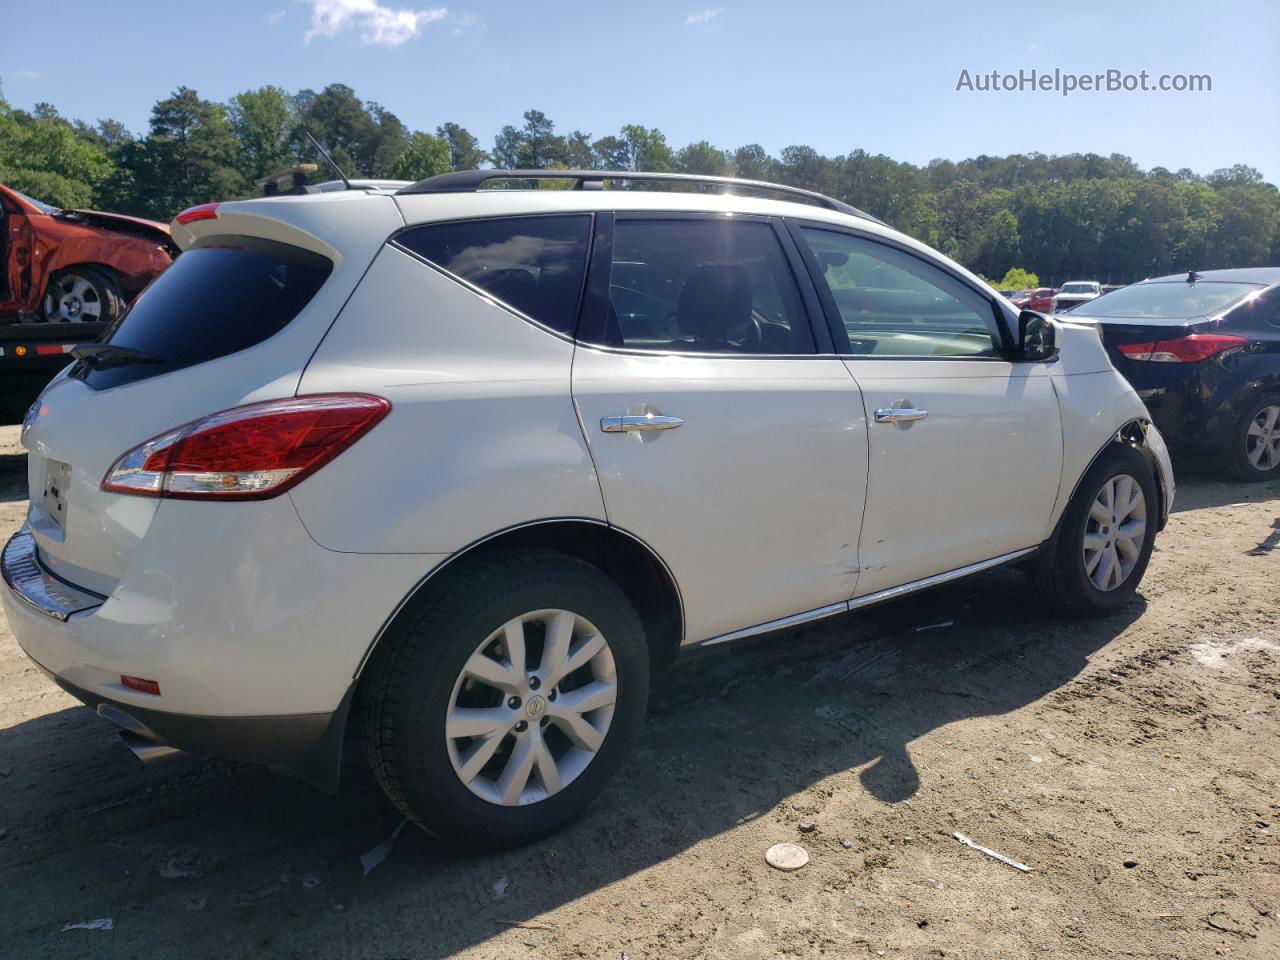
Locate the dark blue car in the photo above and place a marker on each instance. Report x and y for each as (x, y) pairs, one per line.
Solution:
(1203, 352)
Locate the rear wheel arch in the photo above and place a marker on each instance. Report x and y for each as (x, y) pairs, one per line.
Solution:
(626, 559)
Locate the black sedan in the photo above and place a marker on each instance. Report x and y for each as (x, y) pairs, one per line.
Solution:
(1203, 352)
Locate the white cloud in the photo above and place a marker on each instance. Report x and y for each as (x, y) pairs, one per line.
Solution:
(703, 16)
(376, 24)
(276, 17)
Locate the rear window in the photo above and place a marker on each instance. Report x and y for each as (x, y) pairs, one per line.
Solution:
(1166, 300)
(534, 264)
(219, 297)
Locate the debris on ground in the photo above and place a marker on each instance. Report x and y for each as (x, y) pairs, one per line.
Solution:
(786, 856)
(104, 923)
(992, 853)
(806, 826)
(370, 861)
(936, 626)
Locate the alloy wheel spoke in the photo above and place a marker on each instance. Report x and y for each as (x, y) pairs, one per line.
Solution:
(515, 775)
(556, 651)
(1270, 415)
(580, 657)
(593, 696)
(1102, 578)
(1122, 496)
(1094, 541)
(478, 756)
(548, 772)
(1099, 511)
(578, 729)
(476, 721)
(490, 671)
(513, 641)
(1128, 549)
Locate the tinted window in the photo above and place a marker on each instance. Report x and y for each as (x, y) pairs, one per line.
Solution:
(534, 264)
(1167, 300)
(894, 304)
(219, 297)
(703, 286)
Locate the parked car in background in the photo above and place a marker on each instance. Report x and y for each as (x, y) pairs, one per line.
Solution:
(64, 276)
(74, 266)
(1074, 293)
(1039, 299)
(467, 464)
(1203, 352)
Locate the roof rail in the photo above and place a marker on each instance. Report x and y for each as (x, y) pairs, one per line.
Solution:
(469, 181)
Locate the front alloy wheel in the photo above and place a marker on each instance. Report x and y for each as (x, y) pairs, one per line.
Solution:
(1115, 532)
(531, 707)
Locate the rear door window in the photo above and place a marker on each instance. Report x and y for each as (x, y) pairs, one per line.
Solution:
(223, 295)
(711, 285)
(534, 265)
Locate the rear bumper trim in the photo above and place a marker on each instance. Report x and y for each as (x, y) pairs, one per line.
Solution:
(36, 586)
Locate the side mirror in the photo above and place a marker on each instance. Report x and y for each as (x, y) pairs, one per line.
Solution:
(1037, 337)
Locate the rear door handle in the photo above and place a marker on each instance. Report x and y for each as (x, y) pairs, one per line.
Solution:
(647, 421)
(900, 414)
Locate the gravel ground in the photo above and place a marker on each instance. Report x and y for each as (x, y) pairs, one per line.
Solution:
(1133, 763)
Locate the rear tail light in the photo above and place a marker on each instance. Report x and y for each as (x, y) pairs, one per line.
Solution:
(247, 453)
(203, 211)
(1188, 349)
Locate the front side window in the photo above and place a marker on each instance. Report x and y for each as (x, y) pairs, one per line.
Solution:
(893, 304)
(703, 286)
(534, 264)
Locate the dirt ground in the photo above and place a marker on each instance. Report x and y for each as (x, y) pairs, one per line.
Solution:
(1133, 763)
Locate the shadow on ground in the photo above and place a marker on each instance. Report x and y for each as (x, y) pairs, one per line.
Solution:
(205, 848)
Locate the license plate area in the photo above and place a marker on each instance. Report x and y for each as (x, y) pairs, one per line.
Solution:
(53, 499)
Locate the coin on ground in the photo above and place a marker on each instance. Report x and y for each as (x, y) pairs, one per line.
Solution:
(786, 856)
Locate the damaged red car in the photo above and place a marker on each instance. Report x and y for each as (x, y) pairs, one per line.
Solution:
(74, 266)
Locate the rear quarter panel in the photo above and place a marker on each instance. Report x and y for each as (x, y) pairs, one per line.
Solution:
(482, 434)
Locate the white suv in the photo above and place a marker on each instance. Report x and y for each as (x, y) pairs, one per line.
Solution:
(460, 466)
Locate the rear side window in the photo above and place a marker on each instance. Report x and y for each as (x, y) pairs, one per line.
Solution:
(222, 296)
(533, 264)
(703, 286)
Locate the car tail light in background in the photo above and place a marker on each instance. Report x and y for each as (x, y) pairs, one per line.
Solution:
(203, 211)
(1188, 349)
(247, 453)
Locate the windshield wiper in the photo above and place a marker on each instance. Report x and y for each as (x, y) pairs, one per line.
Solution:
(101, 355)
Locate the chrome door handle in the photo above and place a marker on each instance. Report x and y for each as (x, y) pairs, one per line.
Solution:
(648, 421)
(900, 414)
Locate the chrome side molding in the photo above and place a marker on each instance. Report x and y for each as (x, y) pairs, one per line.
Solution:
(857, 603)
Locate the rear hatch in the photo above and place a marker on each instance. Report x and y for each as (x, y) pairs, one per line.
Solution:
(233, 321)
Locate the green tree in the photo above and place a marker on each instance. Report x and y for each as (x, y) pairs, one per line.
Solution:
(425, 156)
(263, 122)
(41, 155)
(464, 149)
(188, 157)
(703, 158)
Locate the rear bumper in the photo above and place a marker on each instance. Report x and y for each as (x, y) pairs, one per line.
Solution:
(309, 744)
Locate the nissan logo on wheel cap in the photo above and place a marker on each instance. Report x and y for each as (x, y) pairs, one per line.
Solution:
(535, 707)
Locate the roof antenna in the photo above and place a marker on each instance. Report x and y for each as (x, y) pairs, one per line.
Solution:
(1192, 277)
(328, 159)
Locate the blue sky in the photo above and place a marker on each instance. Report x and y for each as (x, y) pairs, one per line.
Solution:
(834, 75)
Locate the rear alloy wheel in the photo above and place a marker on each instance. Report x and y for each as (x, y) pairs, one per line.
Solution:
(1106, 536)
(498, 709)
(83, 295)
(531, 707)
(1257, 441)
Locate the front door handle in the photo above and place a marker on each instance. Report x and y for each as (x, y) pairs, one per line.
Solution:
(647, 421)
(900, 414)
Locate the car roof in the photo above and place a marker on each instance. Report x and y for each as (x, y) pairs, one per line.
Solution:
(1261, 275)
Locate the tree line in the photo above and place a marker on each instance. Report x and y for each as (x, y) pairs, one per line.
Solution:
(1063, 217)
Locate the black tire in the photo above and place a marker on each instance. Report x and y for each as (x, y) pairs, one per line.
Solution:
(1063, 578)
(413, 687)
(100, 287)
(1238, 463)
